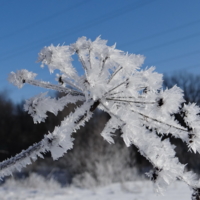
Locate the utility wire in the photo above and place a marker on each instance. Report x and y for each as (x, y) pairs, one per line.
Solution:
(160, 33)
(189, 67)
(170, 42)
(32, 25)
(97, 21)
(175, 57)
(112, 15)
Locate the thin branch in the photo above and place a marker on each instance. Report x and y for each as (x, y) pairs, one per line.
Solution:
(103, 64)
(49, 141)
(89, 58)
(116, 87)
(114, 74)
(72, 85)
(159, 121)
(82, 61)
(53, 87)
(19, 157)
(129, 97)
(128, 101)
(112, 114)
(116, 93)
(84, 65)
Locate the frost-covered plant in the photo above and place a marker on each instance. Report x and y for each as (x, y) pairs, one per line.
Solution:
(134, 99)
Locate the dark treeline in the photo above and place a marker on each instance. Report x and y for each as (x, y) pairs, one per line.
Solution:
(91, 153)
(190, 84)
(17, 130)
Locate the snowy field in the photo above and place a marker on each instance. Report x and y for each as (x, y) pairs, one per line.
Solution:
(41, 190)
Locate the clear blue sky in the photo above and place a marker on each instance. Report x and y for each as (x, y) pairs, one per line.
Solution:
(167, 32)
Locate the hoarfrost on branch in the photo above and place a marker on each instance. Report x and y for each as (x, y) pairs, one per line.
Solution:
(134, 99)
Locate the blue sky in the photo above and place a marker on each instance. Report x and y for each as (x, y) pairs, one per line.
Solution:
(167, 32)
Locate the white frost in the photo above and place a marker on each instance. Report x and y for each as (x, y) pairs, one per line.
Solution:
(134, 99)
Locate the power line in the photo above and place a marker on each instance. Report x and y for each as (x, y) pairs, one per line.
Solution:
(164, 44)
(187, 67)
(190, 67)
(176, 57)
(171, 42)
(160, 33)
(74, 30)
(29, 26)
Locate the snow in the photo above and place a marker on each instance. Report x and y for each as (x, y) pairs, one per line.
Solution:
(139, 190)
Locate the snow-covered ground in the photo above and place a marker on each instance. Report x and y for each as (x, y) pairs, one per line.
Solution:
(42, 190)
